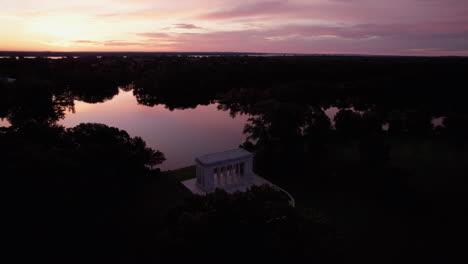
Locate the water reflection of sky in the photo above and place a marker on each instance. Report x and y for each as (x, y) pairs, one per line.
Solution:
(4, 123)
(180, 134)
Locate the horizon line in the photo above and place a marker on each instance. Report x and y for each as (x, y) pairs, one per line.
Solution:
(2, 52)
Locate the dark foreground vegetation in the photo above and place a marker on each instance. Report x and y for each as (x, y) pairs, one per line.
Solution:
(383, 182)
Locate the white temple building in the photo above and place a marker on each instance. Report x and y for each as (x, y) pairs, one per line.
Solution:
(229, 170)
(7, 80)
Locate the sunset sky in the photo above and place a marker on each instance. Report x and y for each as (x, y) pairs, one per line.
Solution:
(404, 27)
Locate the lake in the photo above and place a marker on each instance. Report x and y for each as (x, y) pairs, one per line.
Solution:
(181, 135)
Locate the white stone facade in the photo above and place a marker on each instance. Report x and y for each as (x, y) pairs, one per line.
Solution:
(229, 170)
(225, 170)
(7, 80)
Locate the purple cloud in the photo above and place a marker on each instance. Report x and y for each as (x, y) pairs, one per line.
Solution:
(249, 10)
(364, 39)
(362, 11)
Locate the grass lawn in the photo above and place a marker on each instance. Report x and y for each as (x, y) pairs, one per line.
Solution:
(181, 174)
(165, 192)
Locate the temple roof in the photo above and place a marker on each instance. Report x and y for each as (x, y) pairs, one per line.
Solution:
(225, 156)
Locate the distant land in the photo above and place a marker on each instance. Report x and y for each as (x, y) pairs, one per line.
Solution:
(139, 53)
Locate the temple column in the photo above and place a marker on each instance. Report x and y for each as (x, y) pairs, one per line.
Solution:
(234, 173)
(199, 175)
(229, 170)
(242, 171)
(248, 173)
(208, 179)
(215, 176)
(226, 175)
(223, 175)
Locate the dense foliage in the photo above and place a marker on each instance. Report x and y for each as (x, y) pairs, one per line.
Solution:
(259, 224)
(389, 165)
(70, 190)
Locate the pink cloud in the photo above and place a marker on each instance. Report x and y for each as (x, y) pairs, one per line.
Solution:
(299, 26)
(249, 10)
(122, 43)
(363, 39)
(360, 11)
(89, 42)
(154, 35)
(186, 26)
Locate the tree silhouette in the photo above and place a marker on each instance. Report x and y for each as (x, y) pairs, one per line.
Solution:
(348, 123)
(260, 220)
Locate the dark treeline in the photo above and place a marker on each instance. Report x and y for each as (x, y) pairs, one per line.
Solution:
(389, 169)
(121, 54)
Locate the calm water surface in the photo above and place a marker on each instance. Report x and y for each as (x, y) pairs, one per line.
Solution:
(181, 135)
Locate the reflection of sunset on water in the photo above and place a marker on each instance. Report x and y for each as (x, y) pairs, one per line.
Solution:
(179, 134)
(4, 123)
